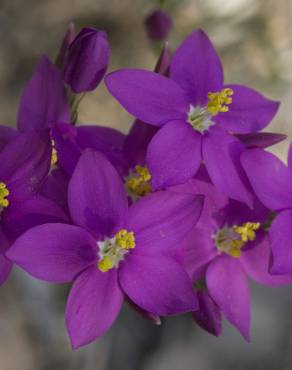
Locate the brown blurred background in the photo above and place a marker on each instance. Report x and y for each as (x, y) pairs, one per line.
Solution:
(254, 39)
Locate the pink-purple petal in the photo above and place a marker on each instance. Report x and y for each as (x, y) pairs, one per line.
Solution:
(221, 153)
(34, 211)
(157, 284)
(137, 141)
(162, 219)
(93, 305)
(270, 178)
(228, 286)
(260, 139)
(281, 243)
(25, 162)
(106, 140)
(249, 111)
(256, 263)
(6, 134)
(198, 248)
(148, 96)
(174, 155)
(96, 195)
(196, 67)
(54, 252)
(208, 317)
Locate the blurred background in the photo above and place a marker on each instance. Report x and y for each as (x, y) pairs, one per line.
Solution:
(254, 39)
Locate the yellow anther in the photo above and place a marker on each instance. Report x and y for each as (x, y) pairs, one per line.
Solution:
(105, 264)
(138, 182)
(114, 250)
(231, 240)
(143, 172)
(247, 231)
(54, 157)
(125, 239)
(4, 192)
(219, 101)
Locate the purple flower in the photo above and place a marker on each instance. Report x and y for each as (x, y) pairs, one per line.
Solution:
(87, 60)
(228, 246)
(271, 180)
(197, 114)
(112, 251)
(158, 25)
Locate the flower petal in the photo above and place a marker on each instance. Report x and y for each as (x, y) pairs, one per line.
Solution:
(221, 155)
(260, 139)
(43, 100)
(158, 285)
(256, 262)
(21, 216)
(249, 111)
(6, 134)
(196, 67)
(150, 97)
(214, 199)
(68, 152)
(55, 187)
(197, 248)
(54, 252)
(25, 162)
(228, 286)
(106, 140)
(96, 195)
(270, 178)
(281, 243)
(93, 305)
(137, 141)
(208, 317)
(162, 219)
(174, 155)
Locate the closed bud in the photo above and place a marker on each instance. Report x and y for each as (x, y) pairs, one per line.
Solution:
(158, 25)
(87, 60)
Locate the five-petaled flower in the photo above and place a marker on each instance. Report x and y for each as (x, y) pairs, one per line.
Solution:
(112, 250)
(198, 116)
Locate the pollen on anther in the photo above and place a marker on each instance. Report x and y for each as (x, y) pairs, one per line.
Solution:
(4, 192)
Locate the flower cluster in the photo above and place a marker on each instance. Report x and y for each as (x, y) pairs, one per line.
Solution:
(173, 217)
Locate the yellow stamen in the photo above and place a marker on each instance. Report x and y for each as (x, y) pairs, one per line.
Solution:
(138, 183)
(54, 158)
(125, 239)
(112, 251)
(4, 192)
(219, 101)
(247, 231)
(231, 240)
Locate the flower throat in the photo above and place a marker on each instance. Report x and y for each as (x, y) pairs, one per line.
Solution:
(200, 118)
